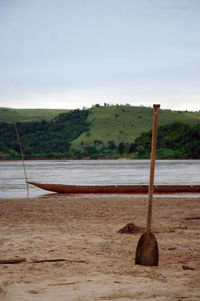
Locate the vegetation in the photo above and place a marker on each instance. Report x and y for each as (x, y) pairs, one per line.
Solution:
(27, 115)
(175, 141)
(126, 123)
(43, 139)
(104, 132)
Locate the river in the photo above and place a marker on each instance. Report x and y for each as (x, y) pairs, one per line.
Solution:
(93, 172)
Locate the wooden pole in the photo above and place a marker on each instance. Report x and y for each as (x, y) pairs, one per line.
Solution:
(22, 156)
(152, 166)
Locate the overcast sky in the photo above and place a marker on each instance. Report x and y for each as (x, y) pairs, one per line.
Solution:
(75, 53)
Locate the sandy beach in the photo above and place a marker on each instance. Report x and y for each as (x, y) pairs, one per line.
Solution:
(71, 249)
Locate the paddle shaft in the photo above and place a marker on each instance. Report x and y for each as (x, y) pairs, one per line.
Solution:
(152, 166)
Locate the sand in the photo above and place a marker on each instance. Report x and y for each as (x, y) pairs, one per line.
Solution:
(99, 261)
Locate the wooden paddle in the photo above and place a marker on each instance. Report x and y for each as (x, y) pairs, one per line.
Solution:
(147, 249)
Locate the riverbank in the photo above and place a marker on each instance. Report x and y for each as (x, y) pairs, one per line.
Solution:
(72, 249)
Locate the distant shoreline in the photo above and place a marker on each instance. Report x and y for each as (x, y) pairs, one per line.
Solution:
(89, 159)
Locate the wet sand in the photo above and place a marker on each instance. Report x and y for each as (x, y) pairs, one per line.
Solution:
(97, 262)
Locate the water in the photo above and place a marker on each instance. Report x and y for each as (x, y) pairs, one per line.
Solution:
(93, 172)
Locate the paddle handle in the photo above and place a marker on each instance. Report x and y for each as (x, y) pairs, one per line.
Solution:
(152, 166)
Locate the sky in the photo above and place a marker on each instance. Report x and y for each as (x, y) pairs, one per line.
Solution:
(69, 54)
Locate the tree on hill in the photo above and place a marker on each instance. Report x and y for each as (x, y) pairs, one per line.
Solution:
(44, 137)
(176, 140)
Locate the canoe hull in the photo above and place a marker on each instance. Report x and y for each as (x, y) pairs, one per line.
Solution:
(61, 188)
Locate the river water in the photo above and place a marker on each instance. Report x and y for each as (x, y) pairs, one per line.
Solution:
(93, 172)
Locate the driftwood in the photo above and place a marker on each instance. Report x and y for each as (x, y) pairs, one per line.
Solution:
(62, 283)
(185, 267)
(19, 260)
(12, 260)
(57, 260)
(189, 218)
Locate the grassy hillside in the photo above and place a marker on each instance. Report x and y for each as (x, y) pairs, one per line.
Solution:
(26, 115)
(125, 123)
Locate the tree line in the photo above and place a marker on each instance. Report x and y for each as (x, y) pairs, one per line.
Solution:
(43, 138)
(175, 141)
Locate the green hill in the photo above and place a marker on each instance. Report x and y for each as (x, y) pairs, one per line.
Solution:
(125, 123)
(26, 115)
(107, 131)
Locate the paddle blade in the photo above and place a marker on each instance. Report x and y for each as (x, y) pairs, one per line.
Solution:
(147, 250)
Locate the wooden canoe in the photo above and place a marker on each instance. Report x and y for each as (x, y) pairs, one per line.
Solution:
(137, 189)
